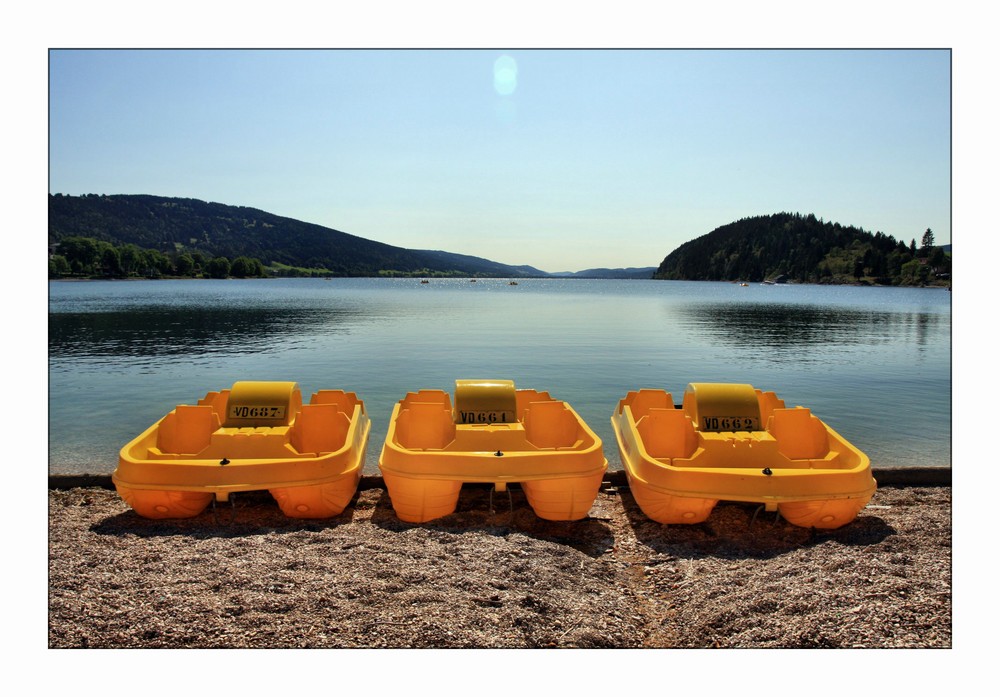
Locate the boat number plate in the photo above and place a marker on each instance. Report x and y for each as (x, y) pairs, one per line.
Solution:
(245, 411)
(729, 423)
(485, 417)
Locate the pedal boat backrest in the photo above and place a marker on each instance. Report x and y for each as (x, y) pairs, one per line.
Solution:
(254, 404)
(667, 433)
(187, 430)
(323, 425)
(319, 428)
(485, 402)
(723, 407)
(643, 400)
(424, 421)
(550, 424)
(800, 435)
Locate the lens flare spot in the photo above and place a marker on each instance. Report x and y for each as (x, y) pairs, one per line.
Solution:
(505, 75)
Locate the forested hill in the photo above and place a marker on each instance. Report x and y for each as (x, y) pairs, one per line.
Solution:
(177, 226)
(793, 247)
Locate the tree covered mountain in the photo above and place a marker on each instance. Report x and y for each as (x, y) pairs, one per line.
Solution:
(182, 226)
(483, 266)
(790, 246)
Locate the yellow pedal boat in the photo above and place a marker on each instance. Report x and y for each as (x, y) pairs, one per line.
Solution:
(255, 436)
(735, 443)
(494, 434)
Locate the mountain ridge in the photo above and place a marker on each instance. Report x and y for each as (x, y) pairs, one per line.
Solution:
(178, 225)
(631, 272)
(174, 226)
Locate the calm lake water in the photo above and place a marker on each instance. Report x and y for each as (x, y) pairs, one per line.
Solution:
(874, 363)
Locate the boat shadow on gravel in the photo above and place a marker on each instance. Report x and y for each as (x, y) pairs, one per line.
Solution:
(740, 530)
(246, 514)
(481, 510)
(733, 530)
(256, 513)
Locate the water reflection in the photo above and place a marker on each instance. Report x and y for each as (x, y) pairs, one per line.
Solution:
(791, 328)
(189, 331)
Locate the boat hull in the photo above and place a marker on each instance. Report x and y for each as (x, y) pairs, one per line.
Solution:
(679, 468)
(495, 435)
(254, 437)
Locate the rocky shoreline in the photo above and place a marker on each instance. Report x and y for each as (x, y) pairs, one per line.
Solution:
(247, 577)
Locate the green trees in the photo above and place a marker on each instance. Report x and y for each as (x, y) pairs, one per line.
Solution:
(185, 265)
(156, 264)
(91, 258)
(218, 267)
(245, 267)
(80, 253)
(131, 259)
(804, 249)
(927, 241)
(111, 261)
(914, 273)
(58, 266)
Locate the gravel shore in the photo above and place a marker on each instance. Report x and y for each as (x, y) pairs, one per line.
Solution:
(245, 576)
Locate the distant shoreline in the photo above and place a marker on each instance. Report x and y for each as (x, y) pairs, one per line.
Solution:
(498, 278)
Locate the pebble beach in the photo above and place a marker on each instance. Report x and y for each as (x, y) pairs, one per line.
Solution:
(494, 576)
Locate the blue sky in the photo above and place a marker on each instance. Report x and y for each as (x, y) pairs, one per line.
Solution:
(561, 159)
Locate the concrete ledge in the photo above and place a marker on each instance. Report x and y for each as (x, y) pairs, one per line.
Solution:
(885, 476)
